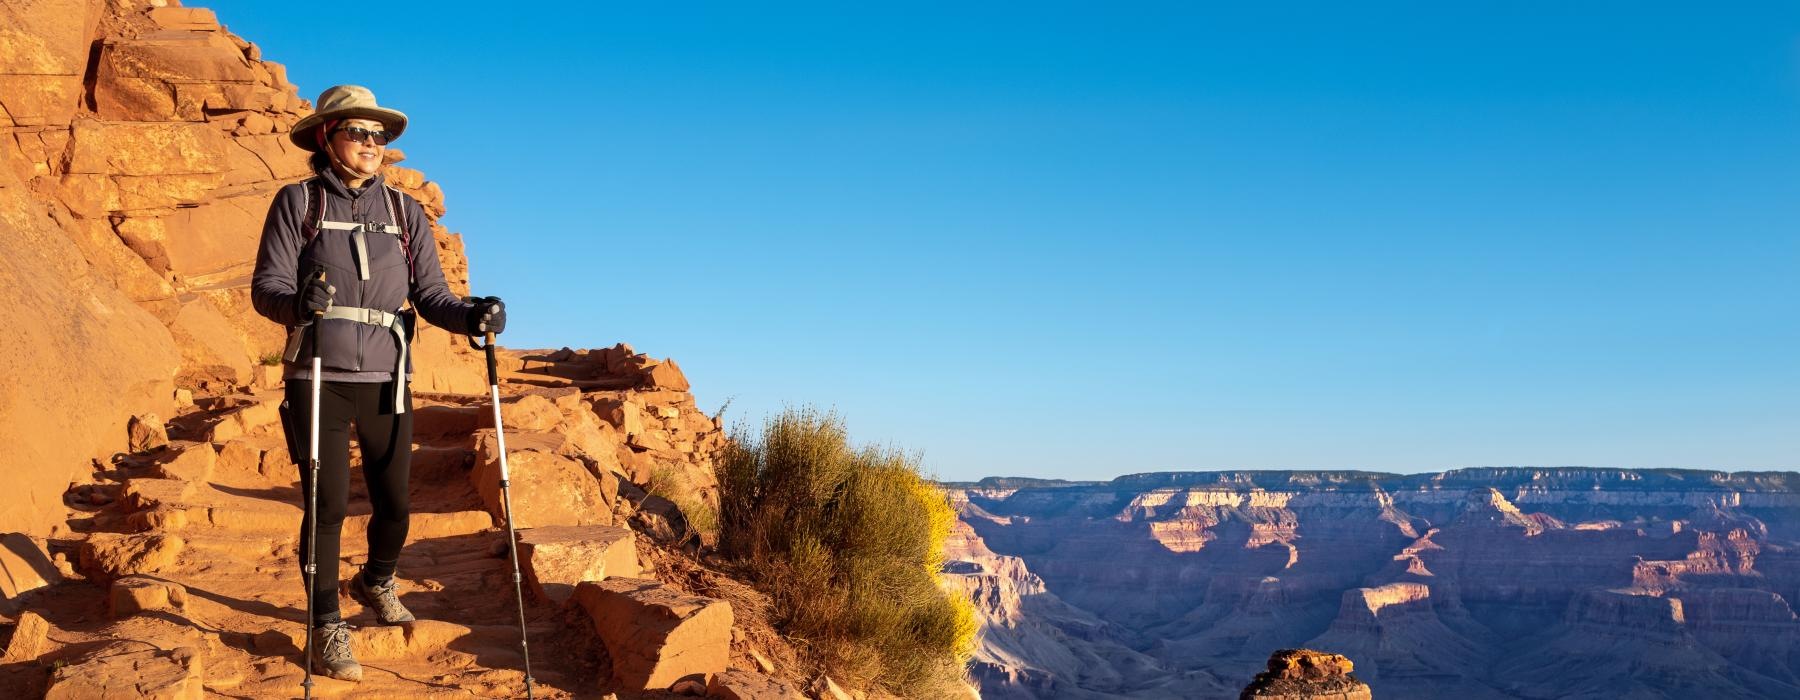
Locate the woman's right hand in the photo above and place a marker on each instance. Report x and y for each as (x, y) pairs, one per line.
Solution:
(315, 297)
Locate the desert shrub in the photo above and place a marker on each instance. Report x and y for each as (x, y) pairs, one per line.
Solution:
(675, 485)
(847, 542)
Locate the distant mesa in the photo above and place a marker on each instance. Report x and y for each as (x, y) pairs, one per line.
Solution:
(1471, 583)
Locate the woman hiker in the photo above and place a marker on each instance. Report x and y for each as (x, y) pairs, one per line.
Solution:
(376, 250)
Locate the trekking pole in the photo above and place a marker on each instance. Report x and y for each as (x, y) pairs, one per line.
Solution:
(312, 491)
(512, 546)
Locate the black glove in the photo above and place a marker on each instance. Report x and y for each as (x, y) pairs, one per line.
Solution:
(314, 298)
(488, 315)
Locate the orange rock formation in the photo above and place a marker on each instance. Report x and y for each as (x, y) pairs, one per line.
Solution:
(149, 544)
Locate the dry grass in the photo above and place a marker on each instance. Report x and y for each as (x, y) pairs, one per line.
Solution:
(674, 484)
(847, 542)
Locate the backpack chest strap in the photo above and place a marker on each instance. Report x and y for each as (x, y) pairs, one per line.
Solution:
(315, 204)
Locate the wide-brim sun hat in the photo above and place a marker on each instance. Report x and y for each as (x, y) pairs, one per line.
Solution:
(345, 102)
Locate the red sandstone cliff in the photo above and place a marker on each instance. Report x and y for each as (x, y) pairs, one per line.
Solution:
(148, 534)
(143, 143)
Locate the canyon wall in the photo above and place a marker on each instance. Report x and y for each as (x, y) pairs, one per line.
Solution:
(1479, 583)
(140, 145)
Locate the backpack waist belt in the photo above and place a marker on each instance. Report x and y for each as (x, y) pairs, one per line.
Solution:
(390, 321)
(374, 317)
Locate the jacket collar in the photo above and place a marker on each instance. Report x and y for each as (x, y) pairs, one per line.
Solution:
(335, 184)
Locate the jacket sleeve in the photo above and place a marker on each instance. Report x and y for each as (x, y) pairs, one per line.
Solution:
(430, 293)
(275, 283)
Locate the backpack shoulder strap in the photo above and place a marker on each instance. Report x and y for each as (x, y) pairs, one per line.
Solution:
(397, 214)
(315, 206)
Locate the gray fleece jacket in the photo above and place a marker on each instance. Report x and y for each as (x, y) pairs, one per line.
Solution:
(350, 350)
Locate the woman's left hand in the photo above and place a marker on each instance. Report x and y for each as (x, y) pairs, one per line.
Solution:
(488, 315)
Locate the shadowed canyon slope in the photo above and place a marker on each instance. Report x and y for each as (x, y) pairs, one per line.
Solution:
(1477, 583)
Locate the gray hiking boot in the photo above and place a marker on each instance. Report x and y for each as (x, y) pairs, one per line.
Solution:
(331, 652)
(383, 598)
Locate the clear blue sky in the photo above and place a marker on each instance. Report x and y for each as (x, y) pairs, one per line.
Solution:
(1084, 239)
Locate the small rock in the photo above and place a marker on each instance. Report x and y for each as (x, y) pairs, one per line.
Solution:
(744, 685)
(145, 433)
(762, 662)
(135, 594)
(688, 686)
(826, 689)
(25, 567)
(28, 640)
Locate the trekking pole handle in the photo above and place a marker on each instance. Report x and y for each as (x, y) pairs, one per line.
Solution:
(492, 367)
(318, 273)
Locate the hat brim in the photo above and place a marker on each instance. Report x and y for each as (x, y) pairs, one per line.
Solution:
(392, 120)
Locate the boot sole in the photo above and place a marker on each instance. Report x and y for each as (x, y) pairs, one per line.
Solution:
(357, 677)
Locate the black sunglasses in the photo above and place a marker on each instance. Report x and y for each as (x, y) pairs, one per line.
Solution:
(360, 135)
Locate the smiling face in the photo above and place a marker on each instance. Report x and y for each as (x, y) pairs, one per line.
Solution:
(362, 157)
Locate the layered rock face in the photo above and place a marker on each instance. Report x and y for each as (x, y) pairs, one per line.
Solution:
(1478, 583)
(142, 143)
(149, 530)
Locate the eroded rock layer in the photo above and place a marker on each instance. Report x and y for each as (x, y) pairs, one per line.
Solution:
(1478, 583)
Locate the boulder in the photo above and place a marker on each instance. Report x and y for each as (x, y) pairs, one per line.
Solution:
(108, 555)
(558, 558)
(664, 375)
(128, 670)
(529, 413)
(654, 634)
(547, 489)
(29, 639)
(745, 685)
(145, 433)
(131, 595)
(24, 567)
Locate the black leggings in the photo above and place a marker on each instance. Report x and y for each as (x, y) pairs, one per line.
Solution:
(386, 441)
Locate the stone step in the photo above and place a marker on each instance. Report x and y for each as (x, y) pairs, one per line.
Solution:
(416, 640)
(556, 559)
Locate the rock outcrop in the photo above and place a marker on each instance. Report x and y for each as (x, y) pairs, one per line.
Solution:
(143, 143)
(150, 526)
(1304, 674)
(1673, 582)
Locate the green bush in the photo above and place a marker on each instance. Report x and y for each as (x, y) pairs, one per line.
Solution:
(847, 542)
